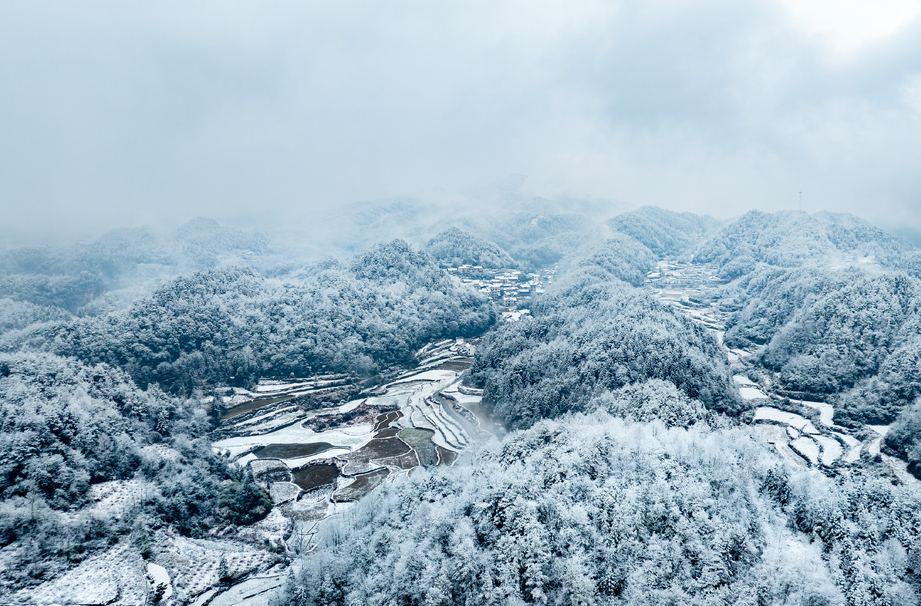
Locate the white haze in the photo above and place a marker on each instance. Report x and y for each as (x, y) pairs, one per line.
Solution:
(276, 113)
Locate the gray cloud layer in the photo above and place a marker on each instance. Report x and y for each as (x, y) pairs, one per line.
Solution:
(115, 114)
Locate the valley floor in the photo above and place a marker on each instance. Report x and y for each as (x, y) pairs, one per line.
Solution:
(801, 431)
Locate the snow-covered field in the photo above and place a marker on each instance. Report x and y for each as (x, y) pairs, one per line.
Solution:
(768, 413)
(826, 411)
(116, 576)
(351, 437)
(747, 389)
(831, 449)
(807, 448)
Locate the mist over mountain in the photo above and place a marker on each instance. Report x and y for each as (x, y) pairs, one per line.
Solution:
(447, 304)
(547, 405)
(793, 239)
(664, 233)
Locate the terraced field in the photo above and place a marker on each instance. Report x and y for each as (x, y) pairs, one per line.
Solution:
(319, 444)
(802, 432)
(417, 418)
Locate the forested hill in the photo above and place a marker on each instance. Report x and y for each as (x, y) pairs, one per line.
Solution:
(454, 247)
(672, 503)
(589, 509)
(848, 336)
(232, 325)
(621, 257)
(795, 239)
(625, 472)
(533, 232)
(665, 233)
(592, 332)
(72, 276)
(69, 426)
(532, 240)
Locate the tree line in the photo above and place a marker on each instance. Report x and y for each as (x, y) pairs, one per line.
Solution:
(231, 325)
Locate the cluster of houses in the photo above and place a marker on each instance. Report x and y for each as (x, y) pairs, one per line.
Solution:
(682, 282)
(511, 289)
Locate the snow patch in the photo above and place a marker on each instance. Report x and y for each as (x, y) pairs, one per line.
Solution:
(826, 411)
(283, 491)
(747, 389)
(768, 413)
(831, 450)
(807, 448)
(158, 576)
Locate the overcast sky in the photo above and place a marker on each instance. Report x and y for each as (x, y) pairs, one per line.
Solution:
(116, 113)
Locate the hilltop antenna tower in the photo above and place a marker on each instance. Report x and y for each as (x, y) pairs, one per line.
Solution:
(801, 201)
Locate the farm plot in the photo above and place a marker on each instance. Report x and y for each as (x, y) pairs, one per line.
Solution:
(393, 399)
(309, 508)
(779, 438)
(472, 401)
(267, 423)
(459, 415)
(118, 496)
(449, 434)
(282, 492)
(193, 564)
(118, 574)
(798, 440)
(825, 447)
(384, 420)
(271, 530)
(421, 441)
(831, 449)
(445, 456)
(747, 389)
(315, 476)
(161, 451)
(807, 448)
(456, 365)
(316, 460)
(258, 591)
(826, 411)
(361, 485)
(347, 416)
(292, 451)
(378, 453)
(270, 470)
(252, 405)
(768, 413)
(350, 436)
(853, 445)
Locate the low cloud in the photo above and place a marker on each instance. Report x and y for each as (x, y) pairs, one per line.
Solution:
(116, 114)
